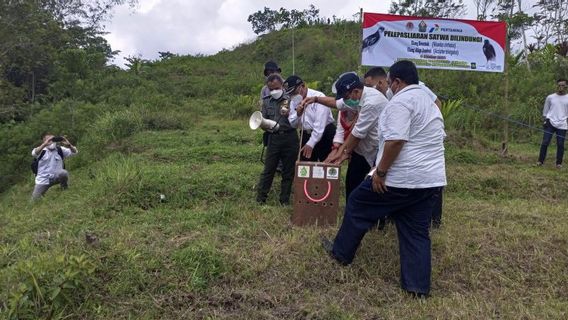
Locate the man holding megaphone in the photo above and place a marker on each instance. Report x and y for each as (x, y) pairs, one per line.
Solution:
(283, 140)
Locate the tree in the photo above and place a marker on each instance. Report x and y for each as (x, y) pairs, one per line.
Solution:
(263, 21)
(46, 41)
(268, 20)
(429, 8)
(483, 7)
(551, 21)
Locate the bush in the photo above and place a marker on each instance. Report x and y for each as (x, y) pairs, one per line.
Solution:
(50, 289)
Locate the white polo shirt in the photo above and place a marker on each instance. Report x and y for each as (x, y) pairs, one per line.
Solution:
(556, 110)
(315, 118)
(412, 116)
(50, 163)
(371, 105)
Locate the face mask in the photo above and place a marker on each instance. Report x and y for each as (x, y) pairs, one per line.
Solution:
(52, 146)
(351, 103)
(276, 94)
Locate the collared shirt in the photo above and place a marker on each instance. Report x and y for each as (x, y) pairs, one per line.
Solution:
(371, 105)
(50, 163)
(271, 110)
(315, 118)
(412, 116)
(430, 93)
(556, 110)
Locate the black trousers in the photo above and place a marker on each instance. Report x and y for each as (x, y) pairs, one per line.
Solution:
(323, 147)
(357, 170)
(437, 209)
(281, 147)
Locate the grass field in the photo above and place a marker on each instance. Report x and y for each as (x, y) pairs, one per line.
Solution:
(109, 248)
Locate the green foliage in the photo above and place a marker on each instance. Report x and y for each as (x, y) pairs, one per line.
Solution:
(429, 8)
(450, 107)
(268, 20)
(50, 289)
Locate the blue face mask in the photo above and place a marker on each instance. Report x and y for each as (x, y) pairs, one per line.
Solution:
(351, 103)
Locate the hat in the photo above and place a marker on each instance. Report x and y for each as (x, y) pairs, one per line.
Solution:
(271, 66)
(345, 83)
(292, 83)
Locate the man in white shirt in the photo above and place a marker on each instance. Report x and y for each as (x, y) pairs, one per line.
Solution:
(50, 168)
(316, 121)
(377, 78)
(555, 114)
(360, 146)
(410, 171)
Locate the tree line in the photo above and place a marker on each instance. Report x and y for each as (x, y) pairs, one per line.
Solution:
(48, 48)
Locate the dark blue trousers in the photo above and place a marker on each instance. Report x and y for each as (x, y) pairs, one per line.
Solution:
(549, 130)
(411, 210)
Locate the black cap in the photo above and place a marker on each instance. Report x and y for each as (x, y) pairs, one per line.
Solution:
(292, 83)
(346, 83)
(271, 66)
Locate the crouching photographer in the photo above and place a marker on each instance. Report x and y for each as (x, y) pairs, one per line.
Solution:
(48, 165)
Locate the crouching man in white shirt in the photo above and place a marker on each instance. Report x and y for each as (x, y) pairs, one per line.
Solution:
(317, 121)
(49, 161)
(409, 172)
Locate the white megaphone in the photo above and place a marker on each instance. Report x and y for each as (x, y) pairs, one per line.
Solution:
(257, 121)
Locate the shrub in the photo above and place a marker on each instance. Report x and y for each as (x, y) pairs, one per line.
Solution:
(50, 289)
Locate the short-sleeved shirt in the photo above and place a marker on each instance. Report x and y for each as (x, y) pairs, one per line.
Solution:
(50, 163)
(371, 105)
(412, 116)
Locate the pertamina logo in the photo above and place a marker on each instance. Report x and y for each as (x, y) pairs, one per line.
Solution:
(435, 28)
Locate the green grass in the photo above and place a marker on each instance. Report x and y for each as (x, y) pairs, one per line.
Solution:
(210, 252)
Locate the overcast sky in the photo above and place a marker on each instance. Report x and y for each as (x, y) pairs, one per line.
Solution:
(206, 27)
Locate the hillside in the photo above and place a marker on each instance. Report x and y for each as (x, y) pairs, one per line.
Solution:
(109, 248)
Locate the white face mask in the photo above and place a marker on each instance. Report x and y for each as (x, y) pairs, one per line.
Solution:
(276, 94)
(52, 146)
(389, 93)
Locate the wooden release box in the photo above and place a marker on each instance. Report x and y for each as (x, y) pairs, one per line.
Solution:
(316, 193)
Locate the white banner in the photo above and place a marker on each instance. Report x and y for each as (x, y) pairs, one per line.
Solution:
(433, 43)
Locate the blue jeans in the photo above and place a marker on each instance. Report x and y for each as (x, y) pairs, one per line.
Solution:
(549, 130)
(411, 210)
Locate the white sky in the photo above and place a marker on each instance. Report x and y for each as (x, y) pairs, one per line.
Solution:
(206, 27)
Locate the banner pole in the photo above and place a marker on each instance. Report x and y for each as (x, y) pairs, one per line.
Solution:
(360, 67)
(505, 143)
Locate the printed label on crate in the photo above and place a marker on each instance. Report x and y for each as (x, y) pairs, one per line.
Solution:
(318, 172)
(332, 173)
(304, 171)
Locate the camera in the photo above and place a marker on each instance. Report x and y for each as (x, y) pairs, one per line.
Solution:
(57, 139)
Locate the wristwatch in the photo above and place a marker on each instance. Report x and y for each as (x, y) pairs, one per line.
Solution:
(380, 174)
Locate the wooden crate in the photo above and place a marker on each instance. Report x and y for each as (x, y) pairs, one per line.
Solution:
(316, 194)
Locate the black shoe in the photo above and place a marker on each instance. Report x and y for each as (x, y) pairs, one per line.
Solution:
(285, 203)
(328, 247)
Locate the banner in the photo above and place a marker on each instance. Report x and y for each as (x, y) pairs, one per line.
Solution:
(433, 43)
